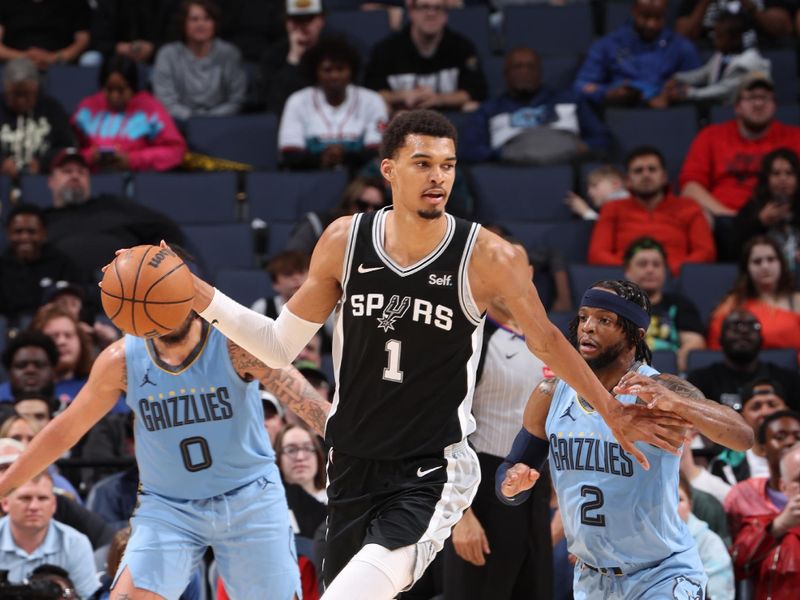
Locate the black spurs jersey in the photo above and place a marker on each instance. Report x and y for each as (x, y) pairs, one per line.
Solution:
(406, 346)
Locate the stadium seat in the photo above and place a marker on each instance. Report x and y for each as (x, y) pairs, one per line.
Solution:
(495, 78)
(284, 196)
(507, 193)
(277, 236)
(364, 28)
(783, 357)
(665, 361)
(228, 245)
(617, 14)
(244, 285)
(250, 139)
(473, 23)
(558, 72)
(786, 113)
(706, 284)
(671, 130)
(561, 320)
(582, 277)
(35, 190)
(783, 67)
(561, 30)
(5, 189)
(69, 84)
(189, 197)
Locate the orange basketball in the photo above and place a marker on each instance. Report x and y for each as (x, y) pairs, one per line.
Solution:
(147, 291)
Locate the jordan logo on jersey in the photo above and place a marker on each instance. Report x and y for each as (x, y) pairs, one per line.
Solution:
(393, 311)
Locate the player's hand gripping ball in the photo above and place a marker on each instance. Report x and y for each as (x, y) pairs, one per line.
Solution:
(147, 291)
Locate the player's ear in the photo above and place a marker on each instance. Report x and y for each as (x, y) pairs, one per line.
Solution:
(387, 169)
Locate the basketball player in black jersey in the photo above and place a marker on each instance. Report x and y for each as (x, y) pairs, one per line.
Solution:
(410, 286)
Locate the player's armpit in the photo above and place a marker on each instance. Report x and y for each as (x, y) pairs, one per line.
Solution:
(291, 388)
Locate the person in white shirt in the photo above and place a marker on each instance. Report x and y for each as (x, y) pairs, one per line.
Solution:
(333, 123)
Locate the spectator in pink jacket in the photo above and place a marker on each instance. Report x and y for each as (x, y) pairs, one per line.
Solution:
(121, 128)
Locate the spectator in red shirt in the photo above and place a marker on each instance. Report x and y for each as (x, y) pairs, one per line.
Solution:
(722, 166)
(651, 210)
(767, 546)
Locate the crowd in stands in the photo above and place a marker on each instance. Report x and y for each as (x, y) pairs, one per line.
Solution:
(664, 150)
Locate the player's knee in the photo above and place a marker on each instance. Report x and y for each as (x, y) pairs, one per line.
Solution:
(396, 565)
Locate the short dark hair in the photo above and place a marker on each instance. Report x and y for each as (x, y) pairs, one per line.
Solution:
(25, 209)
(211, 8)
(48, 399)
(419, 122)
(641, 151)
(736, 22)
(643, 243)
(30, 338)
(123, 65)
(632, 292)
(749, 389)
(288, 262)
(335, 49)
(761, 436)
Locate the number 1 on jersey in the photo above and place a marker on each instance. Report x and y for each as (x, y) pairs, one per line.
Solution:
(392, 372)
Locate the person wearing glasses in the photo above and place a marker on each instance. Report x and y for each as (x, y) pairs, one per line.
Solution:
(677, 223)
(741, 340)
(426, 65)
(765, 287)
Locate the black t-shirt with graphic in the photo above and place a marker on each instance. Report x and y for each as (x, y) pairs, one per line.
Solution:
(673, 314)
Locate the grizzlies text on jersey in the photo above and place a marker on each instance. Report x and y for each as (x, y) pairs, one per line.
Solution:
(406, 345)
(199, 427)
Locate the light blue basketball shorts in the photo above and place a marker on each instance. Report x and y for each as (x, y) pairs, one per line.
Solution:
(678, 577)
(248, 529)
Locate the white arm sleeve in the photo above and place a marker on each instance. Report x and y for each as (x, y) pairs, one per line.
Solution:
(274, 342)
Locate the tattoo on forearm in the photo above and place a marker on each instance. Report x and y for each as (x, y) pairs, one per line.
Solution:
(680, 386)
(287, 384)
(292, 388)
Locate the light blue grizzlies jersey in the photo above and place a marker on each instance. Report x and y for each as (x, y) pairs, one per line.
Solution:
(199, 428)
(615, 513)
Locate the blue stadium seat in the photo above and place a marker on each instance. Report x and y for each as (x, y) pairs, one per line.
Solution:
(473, 23)
(582, 277)
(5, 187)
(69, 84)
(786, 113)
(531, 234)
(277, 236)
(284, 196)
(189, 197)
(251, 139)
(35, 190)
(783, 68)
(364, 28)
(572, 239)
(671, 130)
(561, 320)
(560, 30)
(665, 361)
(495, 78)
(706, 284)
(617, 14)
(332, 6)
(559, 71)
(521, 193)
(244, 285)
(228, 245)
(783, 357)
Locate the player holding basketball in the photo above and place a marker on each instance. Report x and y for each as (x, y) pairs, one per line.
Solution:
(620, 520)
(207, 470)
(411, 285)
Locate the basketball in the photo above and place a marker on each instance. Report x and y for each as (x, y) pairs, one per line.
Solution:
(147, 291)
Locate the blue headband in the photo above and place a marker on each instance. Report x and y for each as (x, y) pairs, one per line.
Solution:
(609, 301)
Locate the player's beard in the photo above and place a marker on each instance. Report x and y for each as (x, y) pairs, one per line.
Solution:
(179, 335)
(430, 214)
(605, 358)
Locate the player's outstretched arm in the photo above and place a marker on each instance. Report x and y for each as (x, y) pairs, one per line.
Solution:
(97, 397)
(499, 269)
(719, 423)
(288, 385)
(278, 342)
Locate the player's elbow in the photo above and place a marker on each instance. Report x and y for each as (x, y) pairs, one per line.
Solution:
(743, 439)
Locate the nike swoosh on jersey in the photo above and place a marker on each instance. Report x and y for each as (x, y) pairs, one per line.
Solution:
(510, 356)
(421, 473)
(363, 269)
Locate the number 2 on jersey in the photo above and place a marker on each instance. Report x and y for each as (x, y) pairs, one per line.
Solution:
(595, 502)
(392, 372)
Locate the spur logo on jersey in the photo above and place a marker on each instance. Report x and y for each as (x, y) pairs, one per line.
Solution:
(589, 454)
(388, 314)
(185, 409)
